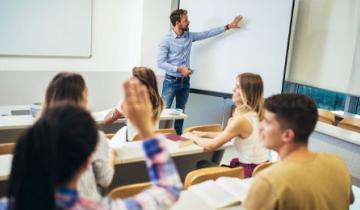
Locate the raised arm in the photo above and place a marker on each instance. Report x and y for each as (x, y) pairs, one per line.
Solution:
(196, 36)
(166, 184)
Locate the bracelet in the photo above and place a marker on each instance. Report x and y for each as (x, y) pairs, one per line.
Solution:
(227, 27)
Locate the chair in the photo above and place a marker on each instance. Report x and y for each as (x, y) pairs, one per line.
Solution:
(350, 123)
(206, 128)
(128, 190)
(159, 131)
(326, 116)
(7, 148)
(200, 175)
(261, 167)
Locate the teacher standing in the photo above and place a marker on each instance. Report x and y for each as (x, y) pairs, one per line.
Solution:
(174, 58)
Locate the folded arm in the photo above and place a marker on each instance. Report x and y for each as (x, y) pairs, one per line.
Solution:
(237, 127)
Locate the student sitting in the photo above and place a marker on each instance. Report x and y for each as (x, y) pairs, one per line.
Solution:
(71, 87)
(147, 77)
(243, 128)
(51, 156)
(302, 179)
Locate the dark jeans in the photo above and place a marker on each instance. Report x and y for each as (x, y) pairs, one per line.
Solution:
(178, 88)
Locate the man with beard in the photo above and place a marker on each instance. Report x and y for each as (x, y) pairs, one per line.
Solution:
(174, 58)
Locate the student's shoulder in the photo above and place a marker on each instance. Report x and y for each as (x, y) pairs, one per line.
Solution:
(166, 37)
(239, 122)
(330, 157)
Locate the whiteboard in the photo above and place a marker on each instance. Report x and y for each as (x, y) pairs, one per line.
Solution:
(259, 45)
(45, 28)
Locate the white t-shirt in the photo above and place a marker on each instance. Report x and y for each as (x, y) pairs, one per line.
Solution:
(250, 149)
(100, 172)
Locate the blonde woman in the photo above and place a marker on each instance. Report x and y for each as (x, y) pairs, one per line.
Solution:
(242, 128)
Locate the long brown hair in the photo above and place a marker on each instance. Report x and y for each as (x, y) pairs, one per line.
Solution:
(252, 89)
(65, 86)
(147, 77)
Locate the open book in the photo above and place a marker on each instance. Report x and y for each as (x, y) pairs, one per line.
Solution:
(225, 191)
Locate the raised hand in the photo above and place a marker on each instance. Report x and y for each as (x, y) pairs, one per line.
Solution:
(137, 107)
(235, 22)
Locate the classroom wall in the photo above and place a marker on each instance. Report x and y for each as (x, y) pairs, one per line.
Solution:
(116, 31)
(122, 37)
(105, 88)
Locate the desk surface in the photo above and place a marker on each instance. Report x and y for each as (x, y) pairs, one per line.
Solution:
(337, 132)
(342, 114)
(24, 121)
(5, 166)
(132, 151)
(128, 153)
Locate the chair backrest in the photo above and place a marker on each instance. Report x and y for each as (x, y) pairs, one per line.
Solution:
(128, 190)
(7, 148)
(162, 131)
(261, 167)
(206, 128)
(350, 123)
(326, 116)
(200, 175)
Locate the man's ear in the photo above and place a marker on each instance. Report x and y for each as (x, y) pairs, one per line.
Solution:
(288, 136)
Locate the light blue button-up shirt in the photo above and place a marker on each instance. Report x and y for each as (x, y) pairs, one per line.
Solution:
(175, 51)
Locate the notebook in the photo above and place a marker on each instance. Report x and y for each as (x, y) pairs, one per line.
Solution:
(223, 192)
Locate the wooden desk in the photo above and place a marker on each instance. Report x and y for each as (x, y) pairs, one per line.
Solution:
(345, 143)
(5, 166)
(341, 114)
(24, 121)
(131, 152)
(12, 126)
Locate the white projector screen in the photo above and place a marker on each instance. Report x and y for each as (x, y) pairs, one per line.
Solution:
(45, 28)
(259, 45)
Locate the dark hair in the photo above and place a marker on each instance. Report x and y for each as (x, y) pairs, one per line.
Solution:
(147, 77)
(294, 111)
(65, 86)
(176, 15)
(49, 154)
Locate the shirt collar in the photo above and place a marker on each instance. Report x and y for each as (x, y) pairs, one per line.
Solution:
(174, 35)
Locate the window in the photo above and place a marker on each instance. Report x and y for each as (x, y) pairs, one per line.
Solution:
(324, 98)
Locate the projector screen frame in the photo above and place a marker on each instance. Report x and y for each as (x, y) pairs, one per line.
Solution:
(228, 95)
